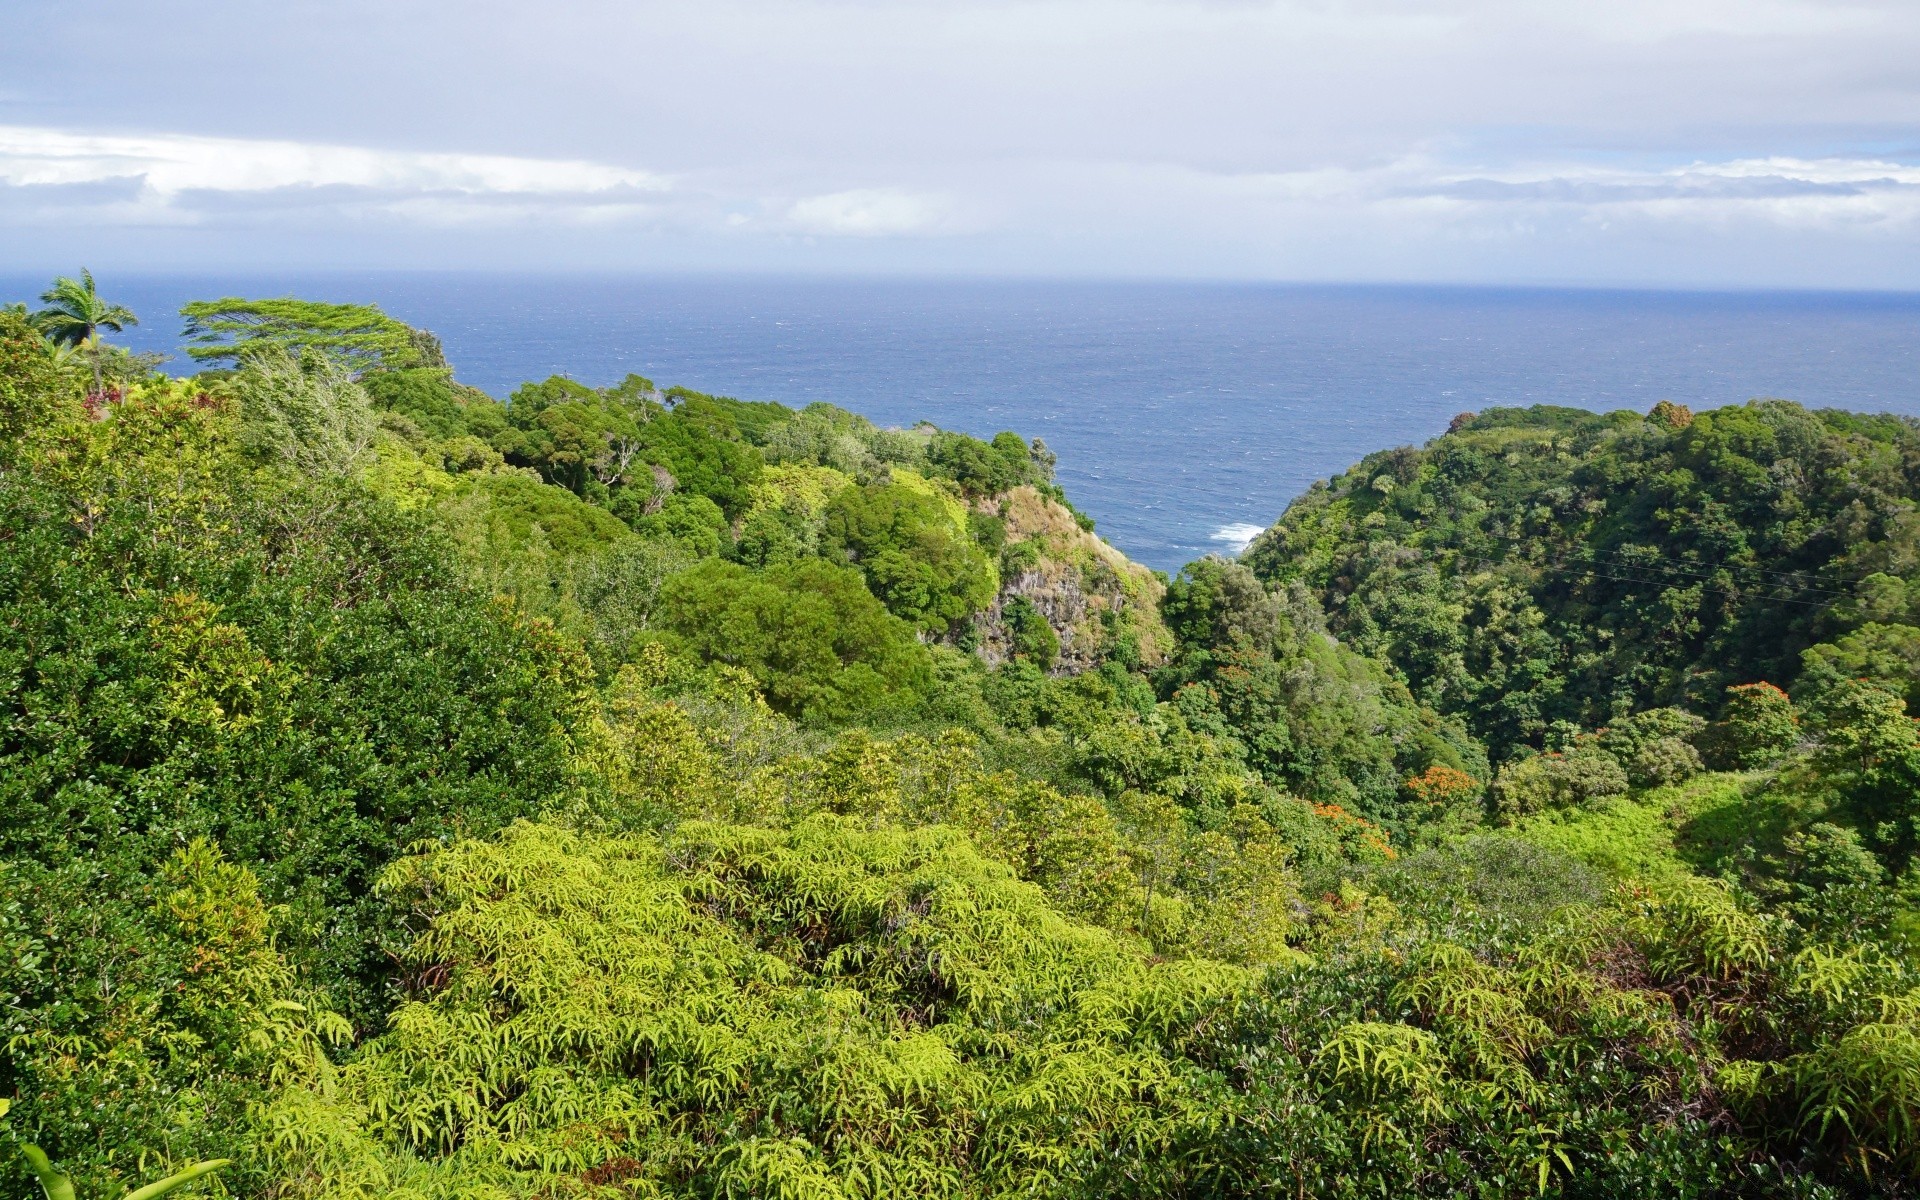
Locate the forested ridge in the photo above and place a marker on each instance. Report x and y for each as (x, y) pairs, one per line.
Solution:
(623, 791)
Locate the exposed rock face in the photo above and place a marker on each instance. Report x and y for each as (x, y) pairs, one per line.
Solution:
(1092, 595)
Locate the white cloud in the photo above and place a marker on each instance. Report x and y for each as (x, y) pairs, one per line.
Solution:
(168, 175)
(870, 212)
(1829, 193)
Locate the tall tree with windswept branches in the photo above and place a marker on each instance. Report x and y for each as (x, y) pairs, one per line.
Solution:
(75, 315)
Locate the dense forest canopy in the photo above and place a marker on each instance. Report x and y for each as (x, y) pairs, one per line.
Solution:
(624, 791)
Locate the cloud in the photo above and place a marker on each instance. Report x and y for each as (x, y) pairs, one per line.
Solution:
(870, 212)
(1828, 193)
(169, 175)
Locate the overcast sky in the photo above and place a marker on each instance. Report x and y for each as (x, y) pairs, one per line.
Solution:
(1683, 142)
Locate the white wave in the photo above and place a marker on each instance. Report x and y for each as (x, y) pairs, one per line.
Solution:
(1238, 535)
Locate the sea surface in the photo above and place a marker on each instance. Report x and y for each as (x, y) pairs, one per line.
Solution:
(1185, 416)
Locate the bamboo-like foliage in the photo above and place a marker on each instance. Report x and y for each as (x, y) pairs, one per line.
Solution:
(673, 746)
(820, 1011)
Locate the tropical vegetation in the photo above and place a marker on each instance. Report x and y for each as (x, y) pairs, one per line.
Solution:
(623, 791)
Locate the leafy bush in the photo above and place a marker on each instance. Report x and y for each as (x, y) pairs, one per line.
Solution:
(1557, 780)
(809, 632)
(742, 1011)
(1758, 727)
(1656, 746)
(916, 558)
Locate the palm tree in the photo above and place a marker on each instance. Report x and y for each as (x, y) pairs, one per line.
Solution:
(75, 315)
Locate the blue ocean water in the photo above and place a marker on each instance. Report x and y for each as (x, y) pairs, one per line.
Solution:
(1185, 416)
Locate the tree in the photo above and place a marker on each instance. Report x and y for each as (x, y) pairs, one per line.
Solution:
(30, 392)
(816, 640)
(362, 336)
(1870, 750)
(304, 411)
(916, 556)
(1758, 727)
(75, 315)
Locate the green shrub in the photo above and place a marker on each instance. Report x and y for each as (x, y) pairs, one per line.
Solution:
(1757, 728)
(811, 634)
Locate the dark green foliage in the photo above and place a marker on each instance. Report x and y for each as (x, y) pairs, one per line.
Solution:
(1310, 715)
(925, 570)
(984, 468)
(810, 633)
(1485, 882)
(774, 535)
(1830, 883)
(173, 1016)
(396, 824)
(183, 664)
(75, 314)
(1870, 755)
(1033, 639)
(698, 444)
(1546, 565)
(623, 449)
(694, 521)
(752, 420)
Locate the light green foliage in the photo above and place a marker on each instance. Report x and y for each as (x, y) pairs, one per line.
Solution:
(825, 436)
(32, 399)
(358, 335)
(674, 745)
(1624, 839)
(1558, 780)
(513, 511)
(430, 399)
(900, 1017)
(409, 796)
(56, 1186)
(1885, 655)
(616, 591)
(1655, 747)
(303, 411)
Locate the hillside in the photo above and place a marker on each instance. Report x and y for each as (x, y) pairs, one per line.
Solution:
(1536, 568)
(631, 792)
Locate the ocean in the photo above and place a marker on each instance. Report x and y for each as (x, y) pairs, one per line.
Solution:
(1185, 416)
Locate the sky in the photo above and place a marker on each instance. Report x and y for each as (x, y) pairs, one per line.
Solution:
(1683, 143)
